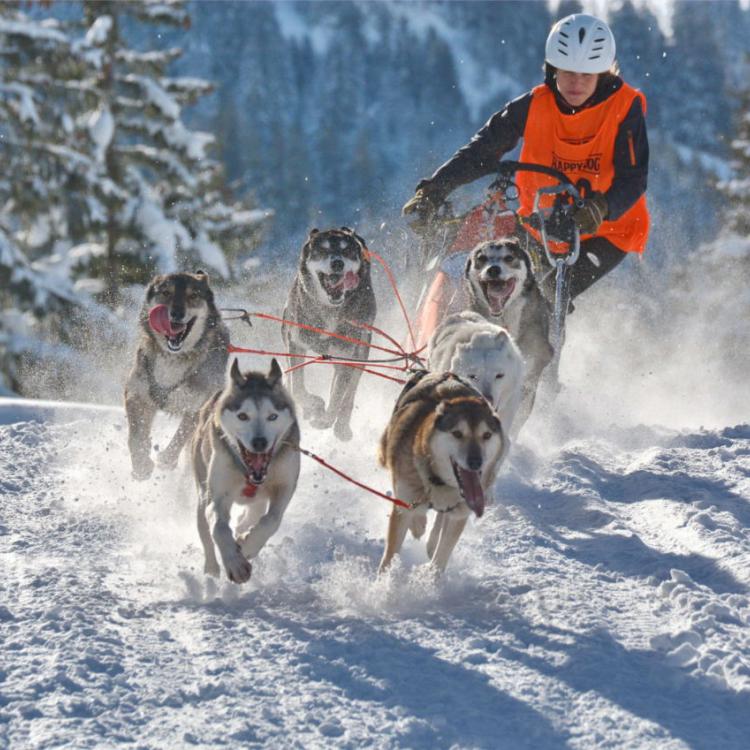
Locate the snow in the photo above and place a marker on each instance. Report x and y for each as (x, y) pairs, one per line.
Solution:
(101, 126)
(99, 31)
(602, 602)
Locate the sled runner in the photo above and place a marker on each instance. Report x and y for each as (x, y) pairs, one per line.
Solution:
(548, 234)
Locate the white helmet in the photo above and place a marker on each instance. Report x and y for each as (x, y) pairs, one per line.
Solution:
(580, 43)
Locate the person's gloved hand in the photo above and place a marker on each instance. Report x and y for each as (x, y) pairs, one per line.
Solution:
(422, 207)
(591, 214)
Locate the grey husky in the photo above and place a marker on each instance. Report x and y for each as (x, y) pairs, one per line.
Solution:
(501, 287)
(244, 451)
(180, 361)
(332, 288)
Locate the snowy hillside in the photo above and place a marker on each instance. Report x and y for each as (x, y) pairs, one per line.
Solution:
(602, 602)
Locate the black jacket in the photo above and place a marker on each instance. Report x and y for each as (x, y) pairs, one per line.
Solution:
(504, 129)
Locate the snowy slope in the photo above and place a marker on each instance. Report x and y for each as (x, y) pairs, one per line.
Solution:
(602, 602)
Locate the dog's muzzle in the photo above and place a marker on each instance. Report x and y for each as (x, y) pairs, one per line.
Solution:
(497, 291)
(470, 486)
(175, 333)
(336, 285)
(256, 463)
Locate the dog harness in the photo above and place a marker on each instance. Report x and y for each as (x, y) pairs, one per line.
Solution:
(582, 145)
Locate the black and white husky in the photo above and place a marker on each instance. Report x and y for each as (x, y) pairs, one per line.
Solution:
(332, 288)
(244, 451)
(501, 287)
(181, 360)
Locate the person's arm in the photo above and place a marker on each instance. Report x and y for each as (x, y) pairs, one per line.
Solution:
(631, 163)
(480, 156)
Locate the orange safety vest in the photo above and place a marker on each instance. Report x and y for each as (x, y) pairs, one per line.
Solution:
(581, 145)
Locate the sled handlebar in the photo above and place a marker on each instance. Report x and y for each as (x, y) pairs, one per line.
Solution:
(506, 170)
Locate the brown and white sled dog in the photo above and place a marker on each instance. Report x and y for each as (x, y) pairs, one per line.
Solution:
(502, 288)
(332, 288)
(244, 451)
(443, 446)
(180, 361)
(484, 354)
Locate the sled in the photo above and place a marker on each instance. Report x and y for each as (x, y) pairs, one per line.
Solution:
(549, 235)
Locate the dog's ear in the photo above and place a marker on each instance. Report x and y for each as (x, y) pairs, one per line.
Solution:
(440, 417)
(152, 287)
(235, 374)
(201, 275)
(313, 232)
(274, 374)
(467, 267)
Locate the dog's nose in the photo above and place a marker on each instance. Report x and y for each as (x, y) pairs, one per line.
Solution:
(474, 458)
(493, 272)
(259, 444)
(337, 265)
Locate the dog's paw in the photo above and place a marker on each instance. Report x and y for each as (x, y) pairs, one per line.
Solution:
(313, 407)
(250, 551)
(322, 422)
(343, 431)
(238, 569)
(142, 468)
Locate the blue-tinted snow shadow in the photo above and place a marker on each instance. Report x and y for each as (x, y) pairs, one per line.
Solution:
(439, 704)
(554, 512)
(643, 484)
(705, 717)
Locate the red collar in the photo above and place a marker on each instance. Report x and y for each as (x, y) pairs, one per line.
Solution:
(249, 489)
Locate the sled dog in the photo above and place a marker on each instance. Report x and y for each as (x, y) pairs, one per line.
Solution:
(443, 446)
(244, 451)
(332, 287)
(180, 361)
(485, 355)
(501, 287)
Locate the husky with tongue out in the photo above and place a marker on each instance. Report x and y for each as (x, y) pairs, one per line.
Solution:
(244, 452)
(332, 288)
(443, 446)
(501, 287)
(181, 360)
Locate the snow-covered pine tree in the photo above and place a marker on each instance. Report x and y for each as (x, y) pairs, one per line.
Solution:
(167, 207)
(36, 300)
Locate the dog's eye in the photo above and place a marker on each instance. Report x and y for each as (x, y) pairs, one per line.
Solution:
(472, 377)
(481, 258)
(487, 435)
(272, 417)
(457, 434)
(509, 259)
(500, 376)
(242, 417)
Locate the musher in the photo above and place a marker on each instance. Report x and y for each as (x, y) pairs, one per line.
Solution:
(585, 121)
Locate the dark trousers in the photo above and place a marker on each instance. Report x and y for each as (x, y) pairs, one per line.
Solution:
(597, 258)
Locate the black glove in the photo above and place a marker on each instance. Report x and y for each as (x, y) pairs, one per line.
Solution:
(591, 214)
(422, 207)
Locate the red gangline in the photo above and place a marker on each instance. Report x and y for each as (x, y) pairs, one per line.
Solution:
(392, 279)
(314, 329)
(322, 462)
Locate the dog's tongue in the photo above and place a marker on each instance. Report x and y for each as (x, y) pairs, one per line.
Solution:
(497, 294)
(158, 319)
(473, 492)
(257, 461)
(351, 280)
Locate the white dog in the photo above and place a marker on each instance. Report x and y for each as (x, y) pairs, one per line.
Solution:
(483, 353)
(244, 451)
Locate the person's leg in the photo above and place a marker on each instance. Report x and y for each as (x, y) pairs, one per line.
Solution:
(598, 257)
